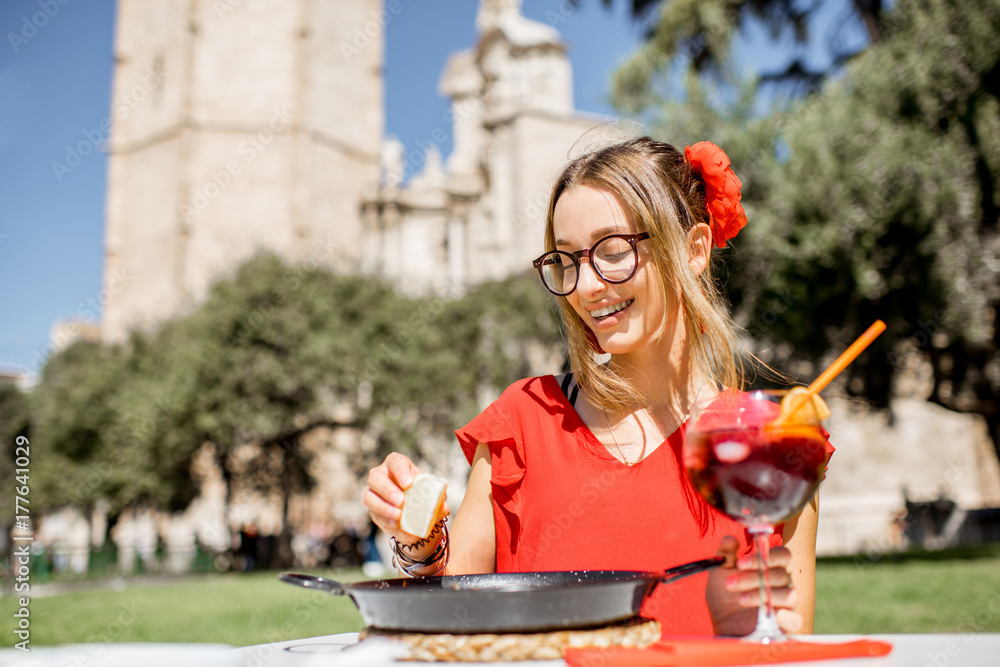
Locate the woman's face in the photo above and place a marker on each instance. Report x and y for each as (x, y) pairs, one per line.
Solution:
(626, 317)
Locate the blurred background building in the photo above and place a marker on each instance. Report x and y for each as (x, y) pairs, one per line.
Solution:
(480, 216)
(260, 135)
(265, 132)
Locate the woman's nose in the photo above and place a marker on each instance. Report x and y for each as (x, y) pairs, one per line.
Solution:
(588, 281)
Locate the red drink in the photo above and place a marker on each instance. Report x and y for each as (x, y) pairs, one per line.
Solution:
(760, 475)
(758, 457)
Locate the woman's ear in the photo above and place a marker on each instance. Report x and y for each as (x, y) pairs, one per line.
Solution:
(699, 248)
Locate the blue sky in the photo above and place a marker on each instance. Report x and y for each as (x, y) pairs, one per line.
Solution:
(55, 92)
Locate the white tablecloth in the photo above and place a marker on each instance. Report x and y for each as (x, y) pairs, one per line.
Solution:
(342, 650)
(970, 650)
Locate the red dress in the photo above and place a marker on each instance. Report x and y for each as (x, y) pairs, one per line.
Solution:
(561, 501)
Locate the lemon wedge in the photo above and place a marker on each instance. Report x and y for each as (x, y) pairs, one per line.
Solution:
(422, 504)
(816, 411)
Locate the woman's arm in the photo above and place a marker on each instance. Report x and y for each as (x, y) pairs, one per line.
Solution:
(799, 537)
(473, 534)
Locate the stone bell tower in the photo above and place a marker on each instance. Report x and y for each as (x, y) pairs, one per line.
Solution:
(248, 125)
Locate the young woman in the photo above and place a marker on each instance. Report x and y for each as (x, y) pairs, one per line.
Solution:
(583, 470)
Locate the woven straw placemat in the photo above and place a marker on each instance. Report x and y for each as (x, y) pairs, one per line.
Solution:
(636, 632)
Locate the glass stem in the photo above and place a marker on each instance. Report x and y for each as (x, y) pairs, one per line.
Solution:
(767, 623)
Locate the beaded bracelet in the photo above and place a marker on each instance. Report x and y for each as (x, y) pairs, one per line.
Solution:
(408, 565)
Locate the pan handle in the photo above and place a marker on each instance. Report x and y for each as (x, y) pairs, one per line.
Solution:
(686, 570)
(315, 583)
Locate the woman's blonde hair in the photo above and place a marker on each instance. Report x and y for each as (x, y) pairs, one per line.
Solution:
(666, 198)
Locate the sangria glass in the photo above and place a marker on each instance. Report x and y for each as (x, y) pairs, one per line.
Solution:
(758, 457)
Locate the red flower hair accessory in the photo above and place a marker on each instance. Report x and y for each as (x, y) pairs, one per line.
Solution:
(726, 216)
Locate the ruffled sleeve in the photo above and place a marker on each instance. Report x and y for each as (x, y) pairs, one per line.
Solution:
(499, 429)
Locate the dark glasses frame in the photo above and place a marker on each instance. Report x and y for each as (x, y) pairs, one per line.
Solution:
(574, 257)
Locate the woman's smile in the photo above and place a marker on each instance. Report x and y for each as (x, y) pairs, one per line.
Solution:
(606, 312)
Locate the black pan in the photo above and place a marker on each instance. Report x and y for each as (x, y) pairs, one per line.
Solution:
(509, 602)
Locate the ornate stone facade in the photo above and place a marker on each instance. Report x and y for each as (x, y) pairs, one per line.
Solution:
(480, 217)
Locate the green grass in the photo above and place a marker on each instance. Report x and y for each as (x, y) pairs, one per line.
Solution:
(230, 609)
(944, 592)
(952, 592)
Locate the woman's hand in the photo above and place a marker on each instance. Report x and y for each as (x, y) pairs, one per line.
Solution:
(384, 495)
(733, 591)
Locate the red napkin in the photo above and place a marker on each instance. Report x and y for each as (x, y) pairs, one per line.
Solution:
(720, 653)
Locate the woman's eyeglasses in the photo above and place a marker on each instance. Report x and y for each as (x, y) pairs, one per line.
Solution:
(614, 259)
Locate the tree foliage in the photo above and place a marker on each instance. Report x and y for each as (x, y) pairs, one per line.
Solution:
(888, 200)
(875, 198)
(14, 423)
(71, 407)
(696, 37)
(272, 353)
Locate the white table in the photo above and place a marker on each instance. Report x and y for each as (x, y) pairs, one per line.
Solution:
(342, 650)
(971, 650)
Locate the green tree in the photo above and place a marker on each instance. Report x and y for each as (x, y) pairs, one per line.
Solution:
(270, 355)
(71, 407)
(15, 422)
(888, 203)
(274, 352)
(696, 36)
(875, 198)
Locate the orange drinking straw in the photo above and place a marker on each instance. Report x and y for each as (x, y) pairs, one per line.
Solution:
(834, 369)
